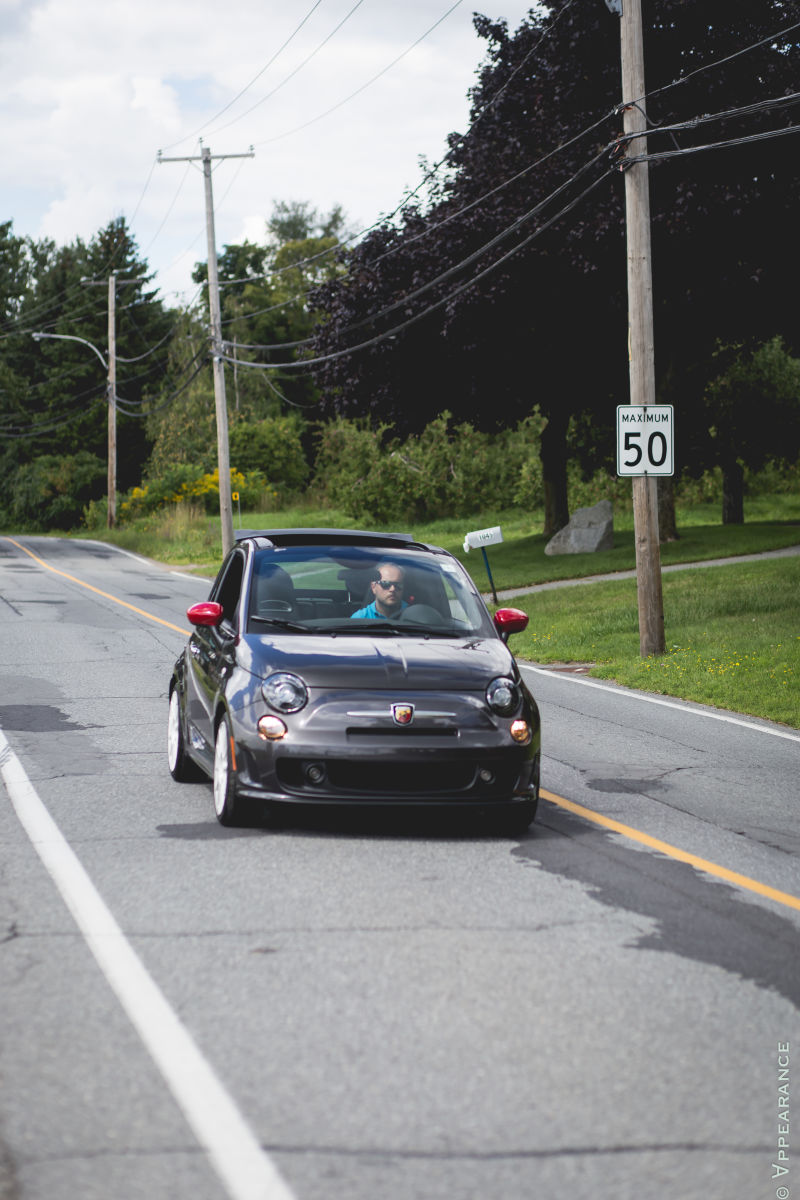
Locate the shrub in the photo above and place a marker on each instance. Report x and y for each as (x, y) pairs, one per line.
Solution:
(50, 492)
(184, 483)
(357, 473)
(600, 485)
(272, 447)
(444, 471)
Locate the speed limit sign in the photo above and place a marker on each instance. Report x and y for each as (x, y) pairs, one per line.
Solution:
(644, 439)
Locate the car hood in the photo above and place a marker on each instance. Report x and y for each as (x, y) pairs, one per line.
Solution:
(385, 662)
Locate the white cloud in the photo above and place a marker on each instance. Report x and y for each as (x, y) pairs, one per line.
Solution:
(92, 89)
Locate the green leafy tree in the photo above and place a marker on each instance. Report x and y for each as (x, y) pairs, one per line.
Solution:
(62, 408)
(266, 307)
(181, 420)
(51, 491)
(754, 409)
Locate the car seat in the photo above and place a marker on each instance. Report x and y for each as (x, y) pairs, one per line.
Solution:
(273, 592)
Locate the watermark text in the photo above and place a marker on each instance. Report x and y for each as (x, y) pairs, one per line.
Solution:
(780, 1168)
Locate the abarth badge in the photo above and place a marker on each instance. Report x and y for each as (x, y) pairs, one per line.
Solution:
(402, 714)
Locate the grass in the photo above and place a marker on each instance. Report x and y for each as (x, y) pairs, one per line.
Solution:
(732, 635)
(733, 632)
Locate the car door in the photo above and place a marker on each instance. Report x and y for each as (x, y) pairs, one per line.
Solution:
(211, 655)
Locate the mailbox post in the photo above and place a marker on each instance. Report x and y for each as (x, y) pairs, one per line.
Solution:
(479, 539)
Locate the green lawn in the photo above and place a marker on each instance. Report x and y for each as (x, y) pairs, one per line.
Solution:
(732, 635)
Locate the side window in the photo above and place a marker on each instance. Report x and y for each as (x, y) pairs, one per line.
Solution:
(229, 589)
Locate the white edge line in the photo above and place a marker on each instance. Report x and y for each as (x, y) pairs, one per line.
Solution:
(684, 706)
(147, 562)
(245, 1170)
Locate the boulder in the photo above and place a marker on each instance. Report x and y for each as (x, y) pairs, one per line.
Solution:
(590, 529)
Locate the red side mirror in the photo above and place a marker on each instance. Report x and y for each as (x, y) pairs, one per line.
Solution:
(207, 613)
(510, 620)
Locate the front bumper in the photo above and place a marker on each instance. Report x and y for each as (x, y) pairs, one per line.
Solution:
(346, 749)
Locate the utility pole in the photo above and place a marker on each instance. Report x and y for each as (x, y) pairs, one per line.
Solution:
(223, 454)
(111, 387)
(112, 400)
(640, 320)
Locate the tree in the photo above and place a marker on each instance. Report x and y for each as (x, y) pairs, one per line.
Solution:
(181, 421)
(57, 405)
(547, 324)
(754, 404)
(265, 303)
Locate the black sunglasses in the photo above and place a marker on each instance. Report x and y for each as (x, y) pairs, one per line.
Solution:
(390, 583)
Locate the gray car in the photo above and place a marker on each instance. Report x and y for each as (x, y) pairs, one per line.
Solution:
(354, 669)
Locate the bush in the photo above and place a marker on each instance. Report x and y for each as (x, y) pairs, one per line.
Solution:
(274, 448)
(600, 485)
(443, 472)
(51, 492)
(355, 472)
(184, 483)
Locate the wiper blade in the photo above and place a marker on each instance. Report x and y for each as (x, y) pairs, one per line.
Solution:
(292, 626)
(364, 628)
(431, 630)
(369, 627)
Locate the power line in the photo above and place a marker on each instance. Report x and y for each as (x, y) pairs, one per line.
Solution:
(247, 86)
(709, 118)
(743, 110)
(291, 132)
(174, 395)
(291, 74)
(772, 37)
(304, 364)
(738, 141)
(450, 271)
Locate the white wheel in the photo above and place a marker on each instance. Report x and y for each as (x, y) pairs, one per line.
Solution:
(223, 782)
(180, 765)
(230, 809)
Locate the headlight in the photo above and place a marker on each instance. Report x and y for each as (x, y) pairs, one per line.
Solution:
(285, 692)
(502, 696)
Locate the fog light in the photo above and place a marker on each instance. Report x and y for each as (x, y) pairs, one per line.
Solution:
(485, 775)
(315, 772)
(271, 729)
(520, 731)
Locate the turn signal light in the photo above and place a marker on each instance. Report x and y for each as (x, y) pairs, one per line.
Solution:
(520, 732)
(271, 729)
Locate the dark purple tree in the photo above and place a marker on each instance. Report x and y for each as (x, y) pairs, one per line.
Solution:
(506, 288)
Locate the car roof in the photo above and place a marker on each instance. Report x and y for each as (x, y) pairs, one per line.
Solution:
(349, 537)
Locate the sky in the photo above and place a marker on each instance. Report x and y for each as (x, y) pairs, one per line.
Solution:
(94, 89)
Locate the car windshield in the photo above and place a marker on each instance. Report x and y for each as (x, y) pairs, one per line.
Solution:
(352, 590)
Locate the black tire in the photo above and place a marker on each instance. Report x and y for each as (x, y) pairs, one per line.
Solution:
(517, 820)
(181, 767)
(230, 808)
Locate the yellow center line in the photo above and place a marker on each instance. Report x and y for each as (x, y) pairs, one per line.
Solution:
(106, 595)
(701, 864)
(588, 814)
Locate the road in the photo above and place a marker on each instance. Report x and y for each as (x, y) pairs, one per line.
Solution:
(363, 1011)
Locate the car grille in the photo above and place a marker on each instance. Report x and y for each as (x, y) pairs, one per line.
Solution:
(383, 778)
(400, 777)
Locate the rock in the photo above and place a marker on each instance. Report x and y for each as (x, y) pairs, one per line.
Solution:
(589, 529)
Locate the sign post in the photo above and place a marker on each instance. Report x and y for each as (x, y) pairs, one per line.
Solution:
(479, 539)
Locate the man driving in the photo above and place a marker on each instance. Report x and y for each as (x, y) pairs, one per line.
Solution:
(388, 592)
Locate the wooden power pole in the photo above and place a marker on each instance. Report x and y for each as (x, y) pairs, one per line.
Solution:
(114, 280)
(220, 399)
(640, 324)
(112, 400)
